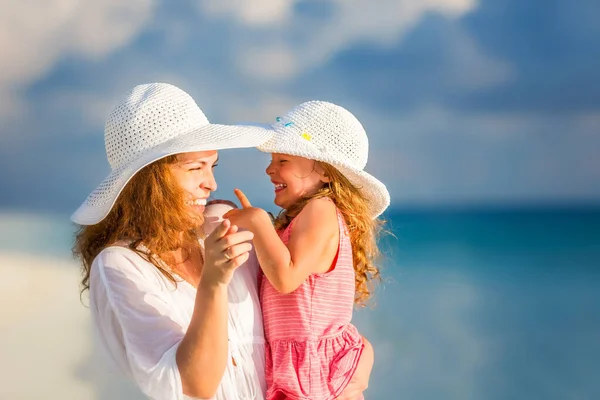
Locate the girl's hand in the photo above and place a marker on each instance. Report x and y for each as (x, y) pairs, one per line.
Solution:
(246, 216)
(360, 380)
(225, 250)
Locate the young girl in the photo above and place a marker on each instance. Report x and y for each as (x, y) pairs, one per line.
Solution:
(318, 259)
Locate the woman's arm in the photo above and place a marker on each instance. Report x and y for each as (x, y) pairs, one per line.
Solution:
(202, 354)
(137, 325)
(360, 380)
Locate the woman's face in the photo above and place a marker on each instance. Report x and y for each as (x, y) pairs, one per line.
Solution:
(194, 173)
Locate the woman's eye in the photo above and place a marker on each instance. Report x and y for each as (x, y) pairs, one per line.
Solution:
(215, 165)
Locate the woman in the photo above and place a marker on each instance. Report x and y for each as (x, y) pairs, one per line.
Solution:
(169, 303)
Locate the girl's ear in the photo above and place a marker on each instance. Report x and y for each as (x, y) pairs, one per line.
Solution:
(322, 173)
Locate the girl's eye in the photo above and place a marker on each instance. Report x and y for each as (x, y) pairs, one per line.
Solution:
(215, 165)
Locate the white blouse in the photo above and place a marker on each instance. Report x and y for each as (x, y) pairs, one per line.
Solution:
(141, 318)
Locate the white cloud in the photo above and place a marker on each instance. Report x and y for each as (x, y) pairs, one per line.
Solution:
(264, 109)
(34, 37)
(276, 62)
(367, 15)
(250, 12)
(471, 68)
(292, 46)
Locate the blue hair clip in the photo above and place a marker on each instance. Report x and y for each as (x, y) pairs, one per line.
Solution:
(278, 119)
(288, 124)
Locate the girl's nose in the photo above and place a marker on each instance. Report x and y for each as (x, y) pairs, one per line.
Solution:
(270, 169)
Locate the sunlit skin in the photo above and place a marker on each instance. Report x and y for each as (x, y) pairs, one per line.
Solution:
(194, 173)
(294, 177)
(312, 246)
(202, 354)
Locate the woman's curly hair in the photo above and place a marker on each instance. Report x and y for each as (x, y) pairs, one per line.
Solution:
(150, 210)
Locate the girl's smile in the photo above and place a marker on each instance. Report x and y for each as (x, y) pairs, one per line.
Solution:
(294, 177)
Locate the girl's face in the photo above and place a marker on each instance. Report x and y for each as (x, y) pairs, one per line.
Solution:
(294, 177)
(194, 174)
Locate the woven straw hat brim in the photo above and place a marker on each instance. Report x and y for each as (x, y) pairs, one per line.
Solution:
(209, 137)
(370, 187)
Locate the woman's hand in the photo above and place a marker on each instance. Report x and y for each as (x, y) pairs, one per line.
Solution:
(225, 249)
(360, 380)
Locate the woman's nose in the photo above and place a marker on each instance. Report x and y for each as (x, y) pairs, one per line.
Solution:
(210, 183)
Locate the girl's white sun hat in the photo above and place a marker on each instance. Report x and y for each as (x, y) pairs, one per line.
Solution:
(154, 121)
(326, 132)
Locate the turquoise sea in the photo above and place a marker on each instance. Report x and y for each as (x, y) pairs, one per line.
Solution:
(497, 304)
(488, 304)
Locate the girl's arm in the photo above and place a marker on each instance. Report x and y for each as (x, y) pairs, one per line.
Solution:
(311, 249)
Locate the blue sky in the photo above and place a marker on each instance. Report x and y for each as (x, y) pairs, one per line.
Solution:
(465, 102)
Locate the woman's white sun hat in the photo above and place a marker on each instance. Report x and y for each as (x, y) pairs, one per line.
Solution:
(154, 121)
(326, 132)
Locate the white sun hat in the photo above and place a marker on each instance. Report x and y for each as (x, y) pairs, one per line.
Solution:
(152, 122)
(326, 132)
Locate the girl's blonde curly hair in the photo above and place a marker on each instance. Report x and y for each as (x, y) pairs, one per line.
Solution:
(363, 230)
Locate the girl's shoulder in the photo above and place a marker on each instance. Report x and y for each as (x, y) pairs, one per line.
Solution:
(321, 205)
(320, 212)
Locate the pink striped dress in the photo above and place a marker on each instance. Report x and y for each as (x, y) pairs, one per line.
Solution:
(313, 349)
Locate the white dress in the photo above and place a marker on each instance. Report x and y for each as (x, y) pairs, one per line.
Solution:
(141, 318)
